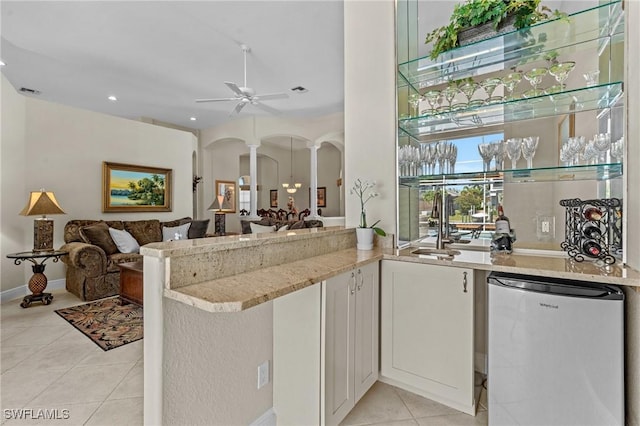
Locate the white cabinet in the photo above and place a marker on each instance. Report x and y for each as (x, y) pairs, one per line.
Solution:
(325, 347)
(350, 364)
(427, 331)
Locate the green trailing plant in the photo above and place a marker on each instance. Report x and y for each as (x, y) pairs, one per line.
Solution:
(477, 12)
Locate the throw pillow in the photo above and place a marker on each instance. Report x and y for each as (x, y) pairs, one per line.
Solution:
(98, 235)
(198, 228)
(283, 228)
(125, 241)
(297, 225)
(259, 229)
(144, 231)
(169, 232)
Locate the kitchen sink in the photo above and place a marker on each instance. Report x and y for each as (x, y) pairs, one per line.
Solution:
(428, 251)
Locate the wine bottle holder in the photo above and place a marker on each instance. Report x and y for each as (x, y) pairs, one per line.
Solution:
(605, 215)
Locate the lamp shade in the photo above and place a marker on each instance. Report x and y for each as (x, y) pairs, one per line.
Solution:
(41, 203)
(218, 203)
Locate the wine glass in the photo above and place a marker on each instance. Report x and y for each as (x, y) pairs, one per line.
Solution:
(529, 146)
(591, 78)
(534, 77)
(514, 150)
(453, 156)
(485, 151)
(489, 85)
(434, 99)
(433, 158)
(561, 70)
(602, 142)
(499, 151)
(617, 149)
(414, 101)
(590, 153)
(511, 81)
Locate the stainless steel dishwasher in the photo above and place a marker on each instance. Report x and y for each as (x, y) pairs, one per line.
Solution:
(555, 352)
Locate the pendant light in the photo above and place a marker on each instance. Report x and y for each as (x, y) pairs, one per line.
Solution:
(290, 186)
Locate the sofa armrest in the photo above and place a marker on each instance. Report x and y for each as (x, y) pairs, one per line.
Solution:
(90, 259)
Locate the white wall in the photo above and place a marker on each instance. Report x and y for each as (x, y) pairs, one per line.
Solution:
(370, 125)
(62, 149)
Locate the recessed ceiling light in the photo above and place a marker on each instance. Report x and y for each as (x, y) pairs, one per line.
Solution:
(192, 118)
(112, 98)
(299, 89)
(2, 64)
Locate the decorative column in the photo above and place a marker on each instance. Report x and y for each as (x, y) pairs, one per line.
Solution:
(253, 173)
(313, 147)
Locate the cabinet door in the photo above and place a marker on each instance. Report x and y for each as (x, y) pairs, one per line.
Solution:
(427, 330)
(366, 328)
(339, 309)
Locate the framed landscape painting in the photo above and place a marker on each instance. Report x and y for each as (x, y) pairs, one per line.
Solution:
(130, 188)
(273, 198)
(322, 196)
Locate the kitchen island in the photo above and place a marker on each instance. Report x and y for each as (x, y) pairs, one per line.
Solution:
(209, 311)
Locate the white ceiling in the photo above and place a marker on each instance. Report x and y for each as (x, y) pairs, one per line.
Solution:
(157, 57)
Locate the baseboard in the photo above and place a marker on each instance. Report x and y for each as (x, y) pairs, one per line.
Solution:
(480, 363)
(266, 419)
(23, 290)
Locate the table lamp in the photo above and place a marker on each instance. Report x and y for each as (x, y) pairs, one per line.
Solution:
(219, 217)
(42, 203)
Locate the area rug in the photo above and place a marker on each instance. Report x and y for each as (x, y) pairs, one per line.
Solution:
(109, 323)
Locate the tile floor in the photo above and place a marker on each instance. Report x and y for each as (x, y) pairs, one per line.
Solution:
(47, 364)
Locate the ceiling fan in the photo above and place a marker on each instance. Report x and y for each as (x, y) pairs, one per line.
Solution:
(247, 95)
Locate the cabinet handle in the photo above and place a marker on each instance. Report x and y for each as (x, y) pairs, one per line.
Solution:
(361, 279)
(464, 282)
(353, 278)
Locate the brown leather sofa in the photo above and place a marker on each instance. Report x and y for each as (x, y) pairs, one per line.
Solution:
(92, 264)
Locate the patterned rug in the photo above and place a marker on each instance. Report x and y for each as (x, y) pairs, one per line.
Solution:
(109, 323)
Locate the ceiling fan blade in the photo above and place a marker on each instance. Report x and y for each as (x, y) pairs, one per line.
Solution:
(216, 100)
(235, 88)
(266, 108)
(271, 96)
(238, 108)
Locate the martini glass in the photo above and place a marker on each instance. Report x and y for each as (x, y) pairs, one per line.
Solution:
(468, 89)
(561, 71)
(534, 77)
(511, 81)
(591, 77)
(434, 99)
(489, 85)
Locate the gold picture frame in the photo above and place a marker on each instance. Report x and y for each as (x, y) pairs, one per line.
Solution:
(132, 188)
(228, 189)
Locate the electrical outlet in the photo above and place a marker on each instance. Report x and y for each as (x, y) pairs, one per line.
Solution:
(546, 227)
(263, 374)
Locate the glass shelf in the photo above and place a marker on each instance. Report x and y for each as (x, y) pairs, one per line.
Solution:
(593, 27)
(539, 174)
(601, 96)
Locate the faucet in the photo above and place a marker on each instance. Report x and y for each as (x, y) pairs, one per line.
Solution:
(442, 205)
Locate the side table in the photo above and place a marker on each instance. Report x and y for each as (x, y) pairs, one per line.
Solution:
(131, 281)
(38, 281)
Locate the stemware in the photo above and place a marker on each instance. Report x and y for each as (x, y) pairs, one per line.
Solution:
(485, 151)
(511, 81)
(414, 101)
(434, 98)
(468, 88)
(561, 70)
(433, 158)
(602, 143)
(453, 156)
(617, 149)
(534, 77)
(529, 146)
(514, 150)
(498, 150)
(590, 153)
(591, 78)
(442, 149)
(489, 85)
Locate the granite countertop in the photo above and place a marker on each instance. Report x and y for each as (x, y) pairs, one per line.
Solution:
(242, 291)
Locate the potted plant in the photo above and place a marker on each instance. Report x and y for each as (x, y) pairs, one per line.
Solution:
(499, 14)
(364, 232)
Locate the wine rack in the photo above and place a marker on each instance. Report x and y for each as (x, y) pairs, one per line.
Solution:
(593, 229)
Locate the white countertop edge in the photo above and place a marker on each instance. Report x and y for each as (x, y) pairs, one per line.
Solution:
(203, 304)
